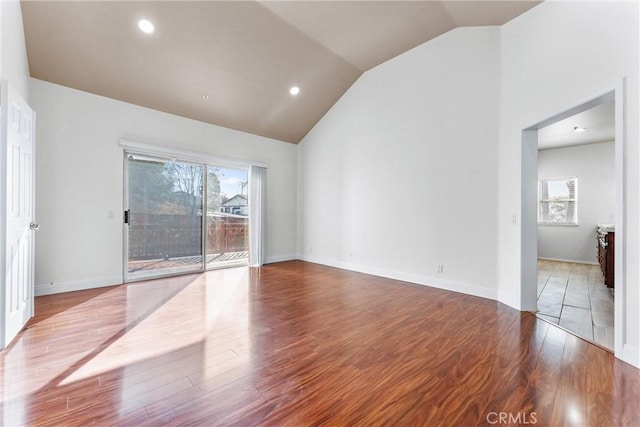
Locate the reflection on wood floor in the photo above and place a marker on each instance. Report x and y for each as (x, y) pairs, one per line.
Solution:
(574, 296)
(297, 344)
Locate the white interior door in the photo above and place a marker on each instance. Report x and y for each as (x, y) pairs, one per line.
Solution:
(18, 204)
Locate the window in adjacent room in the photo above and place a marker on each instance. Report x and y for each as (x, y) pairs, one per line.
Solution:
(558, 201)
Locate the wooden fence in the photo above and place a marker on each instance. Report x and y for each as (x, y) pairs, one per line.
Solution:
(167, 236)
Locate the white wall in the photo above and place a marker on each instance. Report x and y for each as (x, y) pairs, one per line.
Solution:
(14, 66)
(80, 179)
(593, 164)
(554, 57)
(401, 174)
(430, 129)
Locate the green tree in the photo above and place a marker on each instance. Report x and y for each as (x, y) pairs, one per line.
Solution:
(187, 186)
(172, 188)
(213, 190)
(149, 186)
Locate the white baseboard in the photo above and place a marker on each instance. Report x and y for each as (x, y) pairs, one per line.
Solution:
(280, 258)
(419, 279)
(574, 261)
(77, 285)
(631, 355)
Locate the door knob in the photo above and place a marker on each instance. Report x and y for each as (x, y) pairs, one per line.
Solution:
(34, 226)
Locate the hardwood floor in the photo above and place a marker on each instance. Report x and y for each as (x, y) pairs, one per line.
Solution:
(297, 344)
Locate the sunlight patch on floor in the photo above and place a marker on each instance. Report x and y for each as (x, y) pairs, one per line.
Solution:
(187, 318)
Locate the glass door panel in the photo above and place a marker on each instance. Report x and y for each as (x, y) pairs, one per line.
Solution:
(165, 217)
(227, 217)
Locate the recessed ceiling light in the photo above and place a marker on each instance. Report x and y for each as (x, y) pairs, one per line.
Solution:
(205, 97)
(294, 90)
(578, 129)
(146, 26)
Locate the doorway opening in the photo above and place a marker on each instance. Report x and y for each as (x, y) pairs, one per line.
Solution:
(568, 204)
(183, 217)
(576, 217)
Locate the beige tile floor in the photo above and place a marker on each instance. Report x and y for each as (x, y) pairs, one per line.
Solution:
(575, 297)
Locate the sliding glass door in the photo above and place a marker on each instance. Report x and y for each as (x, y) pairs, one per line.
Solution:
(164, 217)
(168, 227)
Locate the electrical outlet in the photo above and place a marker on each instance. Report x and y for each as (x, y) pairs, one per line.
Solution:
(439, 268)
(514, 219)
(350, 255)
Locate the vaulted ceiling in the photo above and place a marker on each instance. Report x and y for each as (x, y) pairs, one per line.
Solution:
(232, 63)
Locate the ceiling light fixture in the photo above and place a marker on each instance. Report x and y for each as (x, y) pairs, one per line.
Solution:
(146, 26)
(577, 129)
(205, 97)
(294, 90)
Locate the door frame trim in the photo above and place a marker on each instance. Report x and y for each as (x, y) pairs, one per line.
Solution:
(528, 223)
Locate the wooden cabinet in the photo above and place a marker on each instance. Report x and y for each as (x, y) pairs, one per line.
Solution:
(606, 257)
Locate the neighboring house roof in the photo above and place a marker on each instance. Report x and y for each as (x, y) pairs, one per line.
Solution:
(237, 200)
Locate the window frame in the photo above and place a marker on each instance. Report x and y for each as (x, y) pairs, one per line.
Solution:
(541, 182)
